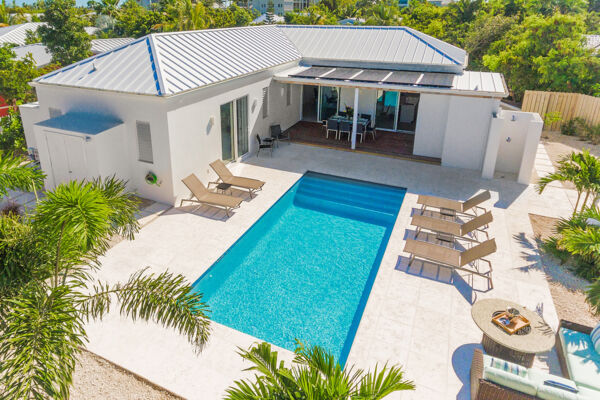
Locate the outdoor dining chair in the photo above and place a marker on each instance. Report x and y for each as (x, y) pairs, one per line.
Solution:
(360, 130)
(344, 128)
(332, 125)
(277, 135)
(265, 145)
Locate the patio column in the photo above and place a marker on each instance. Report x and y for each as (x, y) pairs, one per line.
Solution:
(355, 118)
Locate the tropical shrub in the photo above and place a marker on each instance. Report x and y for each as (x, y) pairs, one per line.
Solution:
(580, 169)
(47, 289)
(12, 136)
(314, 374)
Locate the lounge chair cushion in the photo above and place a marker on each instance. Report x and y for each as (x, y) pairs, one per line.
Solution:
(508, 374)
(548, 392)
(595, 337)
(575, 342)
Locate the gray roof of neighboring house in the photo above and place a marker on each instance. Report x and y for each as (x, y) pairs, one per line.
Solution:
(38, 51)
(169, 63)
(86, 123)
(103, 45)
(16, 33)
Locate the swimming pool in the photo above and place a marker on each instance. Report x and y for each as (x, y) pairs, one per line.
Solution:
(305, 269)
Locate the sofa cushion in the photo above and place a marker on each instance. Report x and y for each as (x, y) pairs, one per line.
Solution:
(548, 392)
(586, 393)
(584, 368)
(574, 342)
(595, 337)
(510, 380)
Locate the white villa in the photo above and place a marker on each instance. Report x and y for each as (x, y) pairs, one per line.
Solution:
(171, 103)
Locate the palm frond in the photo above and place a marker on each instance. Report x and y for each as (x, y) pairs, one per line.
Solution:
(593, 296)
(39, 343)
(166, 299)
(18, 174)
(381, 383)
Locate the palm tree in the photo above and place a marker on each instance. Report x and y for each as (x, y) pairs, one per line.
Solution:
(48, 292)
(18, 174)
(382, 14)
(593, 296)
(582, 170)
(314, 375)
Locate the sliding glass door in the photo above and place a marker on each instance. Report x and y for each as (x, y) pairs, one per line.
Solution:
(329, 102)
(385, 110)
(234, 129)
(241, 111)
(227, 131)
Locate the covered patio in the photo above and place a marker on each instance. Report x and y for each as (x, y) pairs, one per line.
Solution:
(396, 144)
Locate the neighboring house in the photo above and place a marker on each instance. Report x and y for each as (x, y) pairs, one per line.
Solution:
(281, 6)
(39, 52)
(170, 103)
(351, 21)
(17, 33)
(262, 19)
(593, 42)
(104, 45)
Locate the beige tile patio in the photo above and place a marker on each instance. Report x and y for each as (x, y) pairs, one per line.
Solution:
(419, 317)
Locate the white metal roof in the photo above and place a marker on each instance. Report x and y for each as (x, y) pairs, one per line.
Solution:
(103, 45)
(169, 63)
(16, 33)
(592, 42)
(38, 51)
(377, 44)
(128, 69)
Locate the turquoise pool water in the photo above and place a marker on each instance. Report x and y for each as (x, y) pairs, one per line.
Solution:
(305, 269)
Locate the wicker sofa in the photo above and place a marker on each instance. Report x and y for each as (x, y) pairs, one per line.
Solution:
(489, 382)
(579, 361)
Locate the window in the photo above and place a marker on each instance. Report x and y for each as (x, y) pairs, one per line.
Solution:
(54, 112)
(288, 94)
(265, 102)
(144, 142)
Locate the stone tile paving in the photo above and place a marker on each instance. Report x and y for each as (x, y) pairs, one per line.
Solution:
(418, 317)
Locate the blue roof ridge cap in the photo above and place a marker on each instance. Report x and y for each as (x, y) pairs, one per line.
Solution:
(412, 31)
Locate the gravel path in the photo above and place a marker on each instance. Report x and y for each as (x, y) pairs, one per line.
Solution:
(97, 379)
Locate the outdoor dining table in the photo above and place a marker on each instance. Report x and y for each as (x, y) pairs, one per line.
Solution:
(339, 118)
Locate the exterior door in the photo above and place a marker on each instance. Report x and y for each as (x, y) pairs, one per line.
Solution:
(386, 110)
(234, 129)
(227, 151)
(67, 157)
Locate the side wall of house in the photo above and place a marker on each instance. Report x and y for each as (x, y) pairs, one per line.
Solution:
(195, 124)
(467, 130)
(129, 109)
(432, 119)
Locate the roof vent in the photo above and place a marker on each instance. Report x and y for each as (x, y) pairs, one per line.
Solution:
(93, 68)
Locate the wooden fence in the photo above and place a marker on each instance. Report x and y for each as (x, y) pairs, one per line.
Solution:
(569, 105)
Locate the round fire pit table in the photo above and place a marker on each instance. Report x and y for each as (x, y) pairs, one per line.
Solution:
(518, 348)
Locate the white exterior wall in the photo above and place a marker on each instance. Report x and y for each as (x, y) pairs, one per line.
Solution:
(103, 152)
(467, 129)
(512, 144)
(31, 114)
(432, 118)
(129, 109)
(194, 143)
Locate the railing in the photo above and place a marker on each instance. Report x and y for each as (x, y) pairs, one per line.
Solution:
(568, 105)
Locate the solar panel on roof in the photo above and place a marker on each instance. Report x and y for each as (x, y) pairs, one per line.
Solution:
(437, 79)
(372, 75)
(404, 77)
(312, 72)
(344, 73)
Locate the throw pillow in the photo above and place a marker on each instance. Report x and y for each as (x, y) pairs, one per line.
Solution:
(595, 336)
